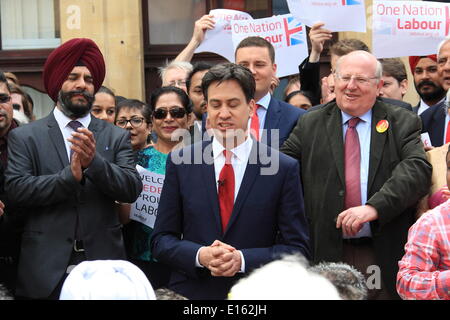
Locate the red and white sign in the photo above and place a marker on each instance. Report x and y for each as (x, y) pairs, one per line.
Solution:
(338, 15)
(218, 40)
(287, 35)
(145, 208)
(408, 28)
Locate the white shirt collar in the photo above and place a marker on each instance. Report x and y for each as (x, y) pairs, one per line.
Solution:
(64, 120)
(242, 151)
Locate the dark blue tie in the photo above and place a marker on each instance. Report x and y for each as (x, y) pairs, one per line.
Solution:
(74, 124)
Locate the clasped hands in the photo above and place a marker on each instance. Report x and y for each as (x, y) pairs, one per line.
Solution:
(221, 259)
(83, 146)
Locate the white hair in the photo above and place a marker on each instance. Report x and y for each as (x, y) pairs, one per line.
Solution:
(107, 280)
(447, 39)
(284, 279)
(183, 65)
(378, 67)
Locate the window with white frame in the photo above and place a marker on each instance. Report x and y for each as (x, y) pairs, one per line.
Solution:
(29, 24)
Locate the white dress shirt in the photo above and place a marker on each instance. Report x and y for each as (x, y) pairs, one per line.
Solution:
(423, 106)
(364, 131)
(66, 130)
(239, 160)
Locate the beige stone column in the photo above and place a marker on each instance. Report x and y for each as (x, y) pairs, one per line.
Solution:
(411, 95)
(116, 26)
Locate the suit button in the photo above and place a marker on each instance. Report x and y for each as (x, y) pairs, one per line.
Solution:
(341, 193)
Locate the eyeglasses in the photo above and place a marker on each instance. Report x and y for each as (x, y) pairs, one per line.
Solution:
(135, 122)
(161, 113)
(180, 83)
(361, 80)
(5, 98)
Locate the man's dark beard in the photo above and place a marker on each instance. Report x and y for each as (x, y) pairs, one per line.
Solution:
(436, 94)
(199, 113)
(75, 110)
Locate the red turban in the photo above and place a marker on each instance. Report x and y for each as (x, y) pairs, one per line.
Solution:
(414, 60)
(62, 60)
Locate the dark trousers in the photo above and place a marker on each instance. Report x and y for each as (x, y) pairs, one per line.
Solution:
(75, 258)
(361, 256)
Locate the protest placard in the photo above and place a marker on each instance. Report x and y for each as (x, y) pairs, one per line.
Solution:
(145, 208)
(408, 28)
(218, 40)
(287, 35)
(338, 15)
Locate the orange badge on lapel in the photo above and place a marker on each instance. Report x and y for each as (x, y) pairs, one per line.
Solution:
(382, 126)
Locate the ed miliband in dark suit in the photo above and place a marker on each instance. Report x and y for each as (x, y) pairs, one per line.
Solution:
(66, 180)
(233, 211)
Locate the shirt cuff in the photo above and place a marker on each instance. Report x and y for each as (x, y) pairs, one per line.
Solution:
(242, 262)
(197, 262)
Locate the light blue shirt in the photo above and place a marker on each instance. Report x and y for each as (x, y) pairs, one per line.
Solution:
(262, 111)
(364, 132)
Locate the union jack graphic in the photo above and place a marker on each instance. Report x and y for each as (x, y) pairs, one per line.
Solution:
(293, 30)
(350, 2)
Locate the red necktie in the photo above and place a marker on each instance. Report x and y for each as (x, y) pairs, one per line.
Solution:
(226, 190)
(254, 124)
(447, 134)
(352, 166)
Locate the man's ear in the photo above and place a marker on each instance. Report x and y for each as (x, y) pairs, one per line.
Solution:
(252, 106)
(404, 86)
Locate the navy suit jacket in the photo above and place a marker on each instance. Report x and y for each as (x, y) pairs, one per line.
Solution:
(283, 116)
(433, 122)
(280, 115)
(267, 221)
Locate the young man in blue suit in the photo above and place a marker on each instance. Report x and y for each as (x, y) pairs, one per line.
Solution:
(228, 205)
(272, 115)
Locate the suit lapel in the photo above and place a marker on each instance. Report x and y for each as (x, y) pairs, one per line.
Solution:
(209, 181)
(437, 131)
(95, 126)
(251, 172)
(333, 124)
(377, 142)
(57, 139)
(272, 120)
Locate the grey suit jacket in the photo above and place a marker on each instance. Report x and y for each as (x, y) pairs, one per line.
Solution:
(40, 181)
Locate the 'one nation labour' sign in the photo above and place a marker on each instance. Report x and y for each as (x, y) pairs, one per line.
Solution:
(408, 28)
(218, 40)
(145, 209)
(287, 35)
(338, 15)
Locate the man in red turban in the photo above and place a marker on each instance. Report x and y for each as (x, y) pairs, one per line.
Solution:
(426, 81)
(66, 171)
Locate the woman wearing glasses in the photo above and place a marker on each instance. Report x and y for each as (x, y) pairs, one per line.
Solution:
(170, 109)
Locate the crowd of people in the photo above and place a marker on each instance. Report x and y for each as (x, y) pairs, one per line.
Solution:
(330, 194)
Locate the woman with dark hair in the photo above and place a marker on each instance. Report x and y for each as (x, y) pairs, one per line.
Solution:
(169, 110)
(104, 106)
(301, 99)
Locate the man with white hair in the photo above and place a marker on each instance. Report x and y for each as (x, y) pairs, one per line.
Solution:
(284, 279)
(364, 176)
(175, 74)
